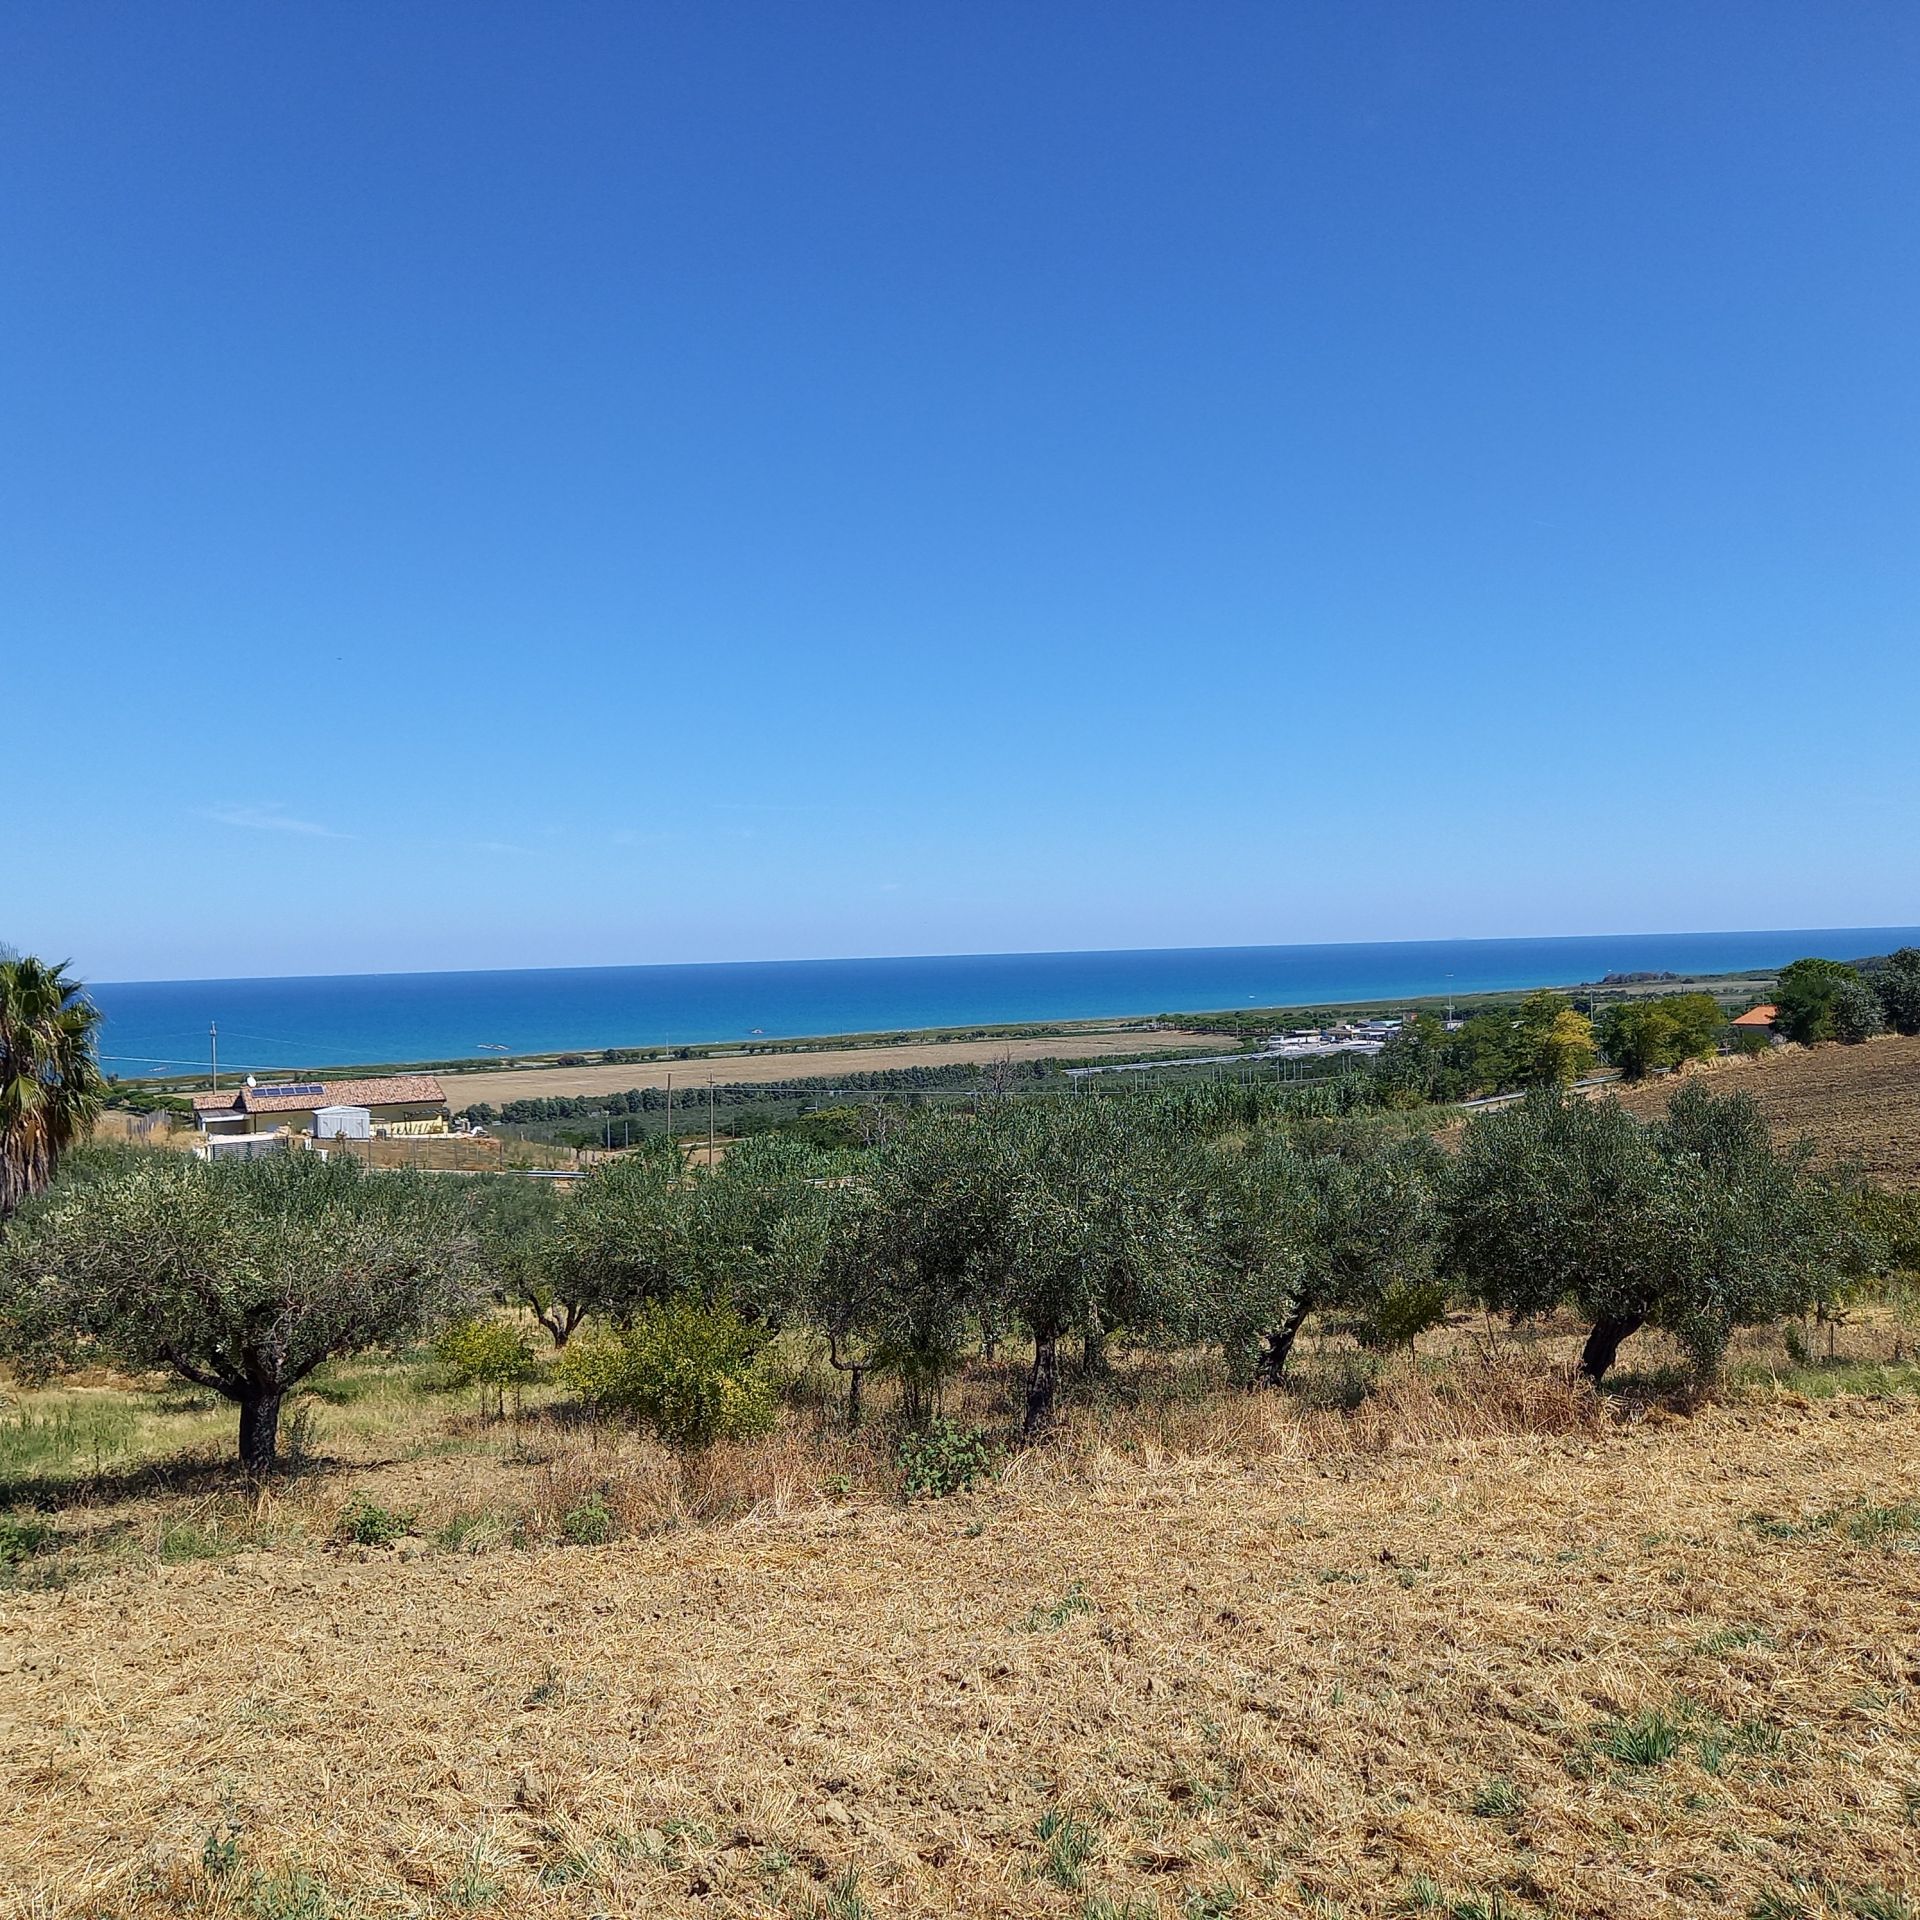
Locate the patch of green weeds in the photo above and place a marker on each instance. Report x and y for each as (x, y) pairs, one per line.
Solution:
(292, 1895)
(64, 1440)
(473, 1532)
(475, 1887)
(1657, 1735)
(1732, 1639)
(1069, 1606)
(1497, 1798)
(368, 1524)
(1422, 1894)
(1208, 1903)
(1495, 1904)
(181, 1542)
(943, 1458)
(844, 1899)
(1649, 1739)
(589, 1522)
(1813, 1896)
(1107, 1906)
(1069, 1843)
(1863, 1523)
(22, 1539)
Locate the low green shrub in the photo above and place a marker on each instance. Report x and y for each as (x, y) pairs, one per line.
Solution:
(589, 1522)
(942, 1458)
(487, 1354)
(367, 1524)
(692, 1373)
(22, 1539)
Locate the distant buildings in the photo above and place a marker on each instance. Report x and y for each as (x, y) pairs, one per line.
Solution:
(401, 1103)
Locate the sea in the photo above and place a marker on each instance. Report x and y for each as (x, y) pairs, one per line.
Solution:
(389, 1019)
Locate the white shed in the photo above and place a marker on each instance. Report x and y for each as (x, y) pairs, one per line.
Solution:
(342, 1123)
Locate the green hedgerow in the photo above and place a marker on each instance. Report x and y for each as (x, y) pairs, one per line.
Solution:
(692, 1373)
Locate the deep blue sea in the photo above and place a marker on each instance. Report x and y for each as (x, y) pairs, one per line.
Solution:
(159, 1027)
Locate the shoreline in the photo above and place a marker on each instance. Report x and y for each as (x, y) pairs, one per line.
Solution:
(753, 1061)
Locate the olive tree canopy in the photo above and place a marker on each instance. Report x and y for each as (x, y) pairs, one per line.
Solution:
(241, 1277)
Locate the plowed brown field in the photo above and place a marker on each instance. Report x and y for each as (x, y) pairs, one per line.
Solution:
(1855, 1103)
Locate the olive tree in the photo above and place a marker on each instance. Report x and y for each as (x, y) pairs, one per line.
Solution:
(1898, 985)
(910, 1257)
(625, 1241)
(241, 1277)
(517, 1223)
(1369, 1240)
(1697, 1225)
(1092, 1233)
(1255, 1202)
(758, 1227)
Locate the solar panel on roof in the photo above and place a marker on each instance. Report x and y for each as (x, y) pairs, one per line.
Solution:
(305, 1089)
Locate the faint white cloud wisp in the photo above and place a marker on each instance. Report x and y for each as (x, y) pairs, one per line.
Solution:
(271, 818)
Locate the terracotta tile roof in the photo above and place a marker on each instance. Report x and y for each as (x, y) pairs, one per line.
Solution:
(1757, 1017)
(399, 1089)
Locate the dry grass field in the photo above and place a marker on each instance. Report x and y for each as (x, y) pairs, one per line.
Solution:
(1857, 1103)
(756, 1069)
(1477, 1647)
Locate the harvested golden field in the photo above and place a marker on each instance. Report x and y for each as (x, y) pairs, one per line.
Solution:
(757, 1069)
(1859, 1103)
(1488, 1651)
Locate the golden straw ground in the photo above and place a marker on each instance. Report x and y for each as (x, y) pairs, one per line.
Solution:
(1322, 1668)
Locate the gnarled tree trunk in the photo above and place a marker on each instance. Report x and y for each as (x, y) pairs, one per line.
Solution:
(1604, 1343)
(1280, 1339)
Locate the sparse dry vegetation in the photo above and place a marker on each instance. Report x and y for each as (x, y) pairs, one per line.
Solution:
(1447, 1629)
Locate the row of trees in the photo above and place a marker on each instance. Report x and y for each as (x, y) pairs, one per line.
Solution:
(1065, 1224)
(1829, 1000)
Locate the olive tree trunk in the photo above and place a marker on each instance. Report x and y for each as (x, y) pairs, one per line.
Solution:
(1280, 1339)
(1604, 1343)
(260, 1431)
(1042, 1384)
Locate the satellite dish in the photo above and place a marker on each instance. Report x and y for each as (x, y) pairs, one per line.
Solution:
(251, 1081)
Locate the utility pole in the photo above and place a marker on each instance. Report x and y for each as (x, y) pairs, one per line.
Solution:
(709, 1121)
(213, 1053)
(669, 1109)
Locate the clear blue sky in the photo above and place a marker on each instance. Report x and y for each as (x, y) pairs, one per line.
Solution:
(530, 485)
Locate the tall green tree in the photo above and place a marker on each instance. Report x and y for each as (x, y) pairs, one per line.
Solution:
(625, 1239)
(1898, 985)
(916, 1256)
(1641, 1036)
(1857, 1013)
(241, 1277)
(50, 1084)
(1094, 1235)
(1805, 996)
(517, 1224)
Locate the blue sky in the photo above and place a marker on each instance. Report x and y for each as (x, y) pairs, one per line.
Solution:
(492, 485)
